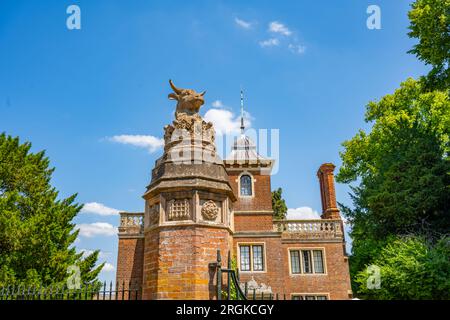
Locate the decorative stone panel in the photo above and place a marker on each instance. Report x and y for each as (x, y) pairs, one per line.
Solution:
(179, 209)
(153, 214)
(210, 210)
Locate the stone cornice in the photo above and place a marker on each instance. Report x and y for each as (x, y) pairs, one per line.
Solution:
(253, 212)
(257, 234)
(183, 224)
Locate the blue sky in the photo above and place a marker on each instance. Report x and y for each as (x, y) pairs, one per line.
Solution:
(92, 97)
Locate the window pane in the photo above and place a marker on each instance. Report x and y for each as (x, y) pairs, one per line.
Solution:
(295, 261)
(307, 261)
(310, 298)
(245, 258)
(258, 259)
(297, 298)
(318, 261)
(246, 185)
(322, 298)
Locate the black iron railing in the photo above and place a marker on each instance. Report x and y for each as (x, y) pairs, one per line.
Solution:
(232, 280)
(233, 284)
(125, 290)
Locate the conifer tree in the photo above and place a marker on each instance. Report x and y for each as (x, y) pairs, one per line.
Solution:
(278, 204)
(36, 228)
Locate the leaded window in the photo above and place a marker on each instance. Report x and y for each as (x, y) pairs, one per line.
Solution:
(258, 259)
(245, 258)
(309, 297)
(246, 185)
(251, 257)
(318, 261)
(306, 261)
(295, 261)
(306, 255)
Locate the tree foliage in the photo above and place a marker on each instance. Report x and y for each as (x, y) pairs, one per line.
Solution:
(400, 169)
(278, 205)
(403, 169)
(430, 24)
(410, 268)
(36, 229)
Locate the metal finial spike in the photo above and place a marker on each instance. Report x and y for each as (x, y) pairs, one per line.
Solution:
(242, 112)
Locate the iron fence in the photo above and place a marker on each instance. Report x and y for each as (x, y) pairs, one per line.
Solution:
(233, 289)
(125, 290)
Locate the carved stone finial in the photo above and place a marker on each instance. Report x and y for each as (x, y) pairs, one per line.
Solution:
(189, 101)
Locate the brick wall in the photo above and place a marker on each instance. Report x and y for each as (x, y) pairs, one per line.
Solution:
(262, 199)
(130, 260)
(253, 222)
(176, 261)
(335, 283)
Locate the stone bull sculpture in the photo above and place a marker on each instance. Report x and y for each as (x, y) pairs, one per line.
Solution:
(189, 101)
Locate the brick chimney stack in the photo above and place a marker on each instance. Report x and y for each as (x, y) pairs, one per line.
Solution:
(327, 191)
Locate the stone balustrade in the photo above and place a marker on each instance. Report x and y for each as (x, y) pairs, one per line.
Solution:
(131, 224)
(323, 229)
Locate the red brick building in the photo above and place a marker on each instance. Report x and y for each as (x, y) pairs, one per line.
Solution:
(193, 209)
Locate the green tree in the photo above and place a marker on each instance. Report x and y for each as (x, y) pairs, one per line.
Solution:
(403, 170)
(278, 205)
(401, 166)
(430, 24)
(410, 268)
(36, 229)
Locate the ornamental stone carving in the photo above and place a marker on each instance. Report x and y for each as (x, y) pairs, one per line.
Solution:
(210, 210)
(179, 209)
(188, 101)
(188, 123)
(153, 214)
(131, 219)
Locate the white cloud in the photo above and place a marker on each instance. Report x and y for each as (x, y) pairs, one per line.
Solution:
(90, 230)
(217, 104)
(150, 143)
(108, 267)
(302, 213)
(296, 48)
(243, 24)
(100, 209)
(225, 122)
(269, 42)
(277, 27)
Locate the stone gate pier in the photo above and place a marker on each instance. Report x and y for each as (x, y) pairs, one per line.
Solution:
(188, 208)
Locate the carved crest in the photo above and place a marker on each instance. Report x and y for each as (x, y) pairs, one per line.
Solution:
(210, 210)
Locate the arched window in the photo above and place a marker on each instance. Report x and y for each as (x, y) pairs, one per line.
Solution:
(246, 185)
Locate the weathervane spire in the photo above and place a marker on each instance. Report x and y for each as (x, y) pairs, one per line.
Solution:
(242, 112)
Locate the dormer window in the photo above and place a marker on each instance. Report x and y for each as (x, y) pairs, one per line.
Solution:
(246, 185)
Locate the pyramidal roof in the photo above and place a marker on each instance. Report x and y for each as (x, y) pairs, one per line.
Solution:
(244, 149)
